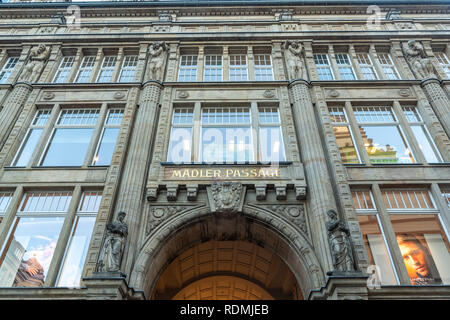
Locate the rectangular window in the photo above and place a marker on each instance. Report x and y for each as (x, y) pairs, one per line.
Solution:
(422, 135)
(188, 68)
(323, 67)
(63, 72)
(263, 67)
(345, 66)
(107, 69)
(344, 138)
(238, 67)
(28, 250)
(382, 137)
(87, 65)
(180, 143)
(108, 139)
(374, 240)
(270, 135)
(226, 135)
(444, 62)
(422, 240)
(80, 237)
(71, 137)
(28, 145)
(8, 69)
(388, 66)
(366, 66)
(213, 68)
(128, 69)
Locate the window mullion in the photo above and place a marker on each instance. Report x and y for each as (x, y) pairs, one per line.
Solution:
(95, 135)
(404, 127)
(354, 129)
(44, 139)
(196, 133)
(117, 67)
(333, 64)
(255, 132)
(391, 239)
(64, 236)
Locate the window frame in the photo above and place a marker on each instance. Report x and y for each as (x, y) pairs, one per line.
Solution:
(390, 64)
(7, 68)
(196, 129)
(182, 67)
(443, 61)
(340, 65)
(213, 67)
(323, 66)
(60, 69)
(124, 68)
(111, 62)
(366, 65)
(92, 59)
(261, 66)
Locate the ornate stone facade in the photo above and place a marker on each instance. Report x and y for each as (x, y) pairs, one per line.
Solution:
(296, 69)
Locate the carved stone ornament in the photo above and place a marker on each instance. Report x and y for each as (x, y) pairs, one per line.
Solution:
(285, 16)
(404, 25)
(404, 92)
(119, 95)
(420, 64)
(269, 94)
(112, 250)
(339, 238)
(260, 192)
(38, 57)
(157, 55)
(183, 94)
(293, 50)
(394, 15)
(280, 192)
(294, 213)
(152, 193)
(333, 93)
(300, 192)
(192, 193)
(161, 213)
(48, 95)
(226, 196)
(165, 17)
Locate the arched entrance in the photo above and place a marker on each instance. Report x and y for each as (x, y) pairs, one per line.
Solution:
(257, 246)
(227, 270)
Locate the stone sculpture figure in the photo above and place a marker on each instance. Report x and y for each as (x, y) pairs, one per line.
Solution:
(111, 254)
(292, 53)
(38, 57)
(338, 235)
(157, 56)
(417, 59)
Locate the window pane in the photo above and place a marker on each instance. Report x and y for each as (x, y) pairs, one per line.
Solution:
(407, 199)
(271, 144)
(385, 144)
(346, 146)
(226, 144)
(24, 154)
(362, 200)
(76, 252)
(423, 139)
(106, 149)
(68, 147)
(424, 247)
(180, 145)
(5, 199)
(29, 251)
(376, 249)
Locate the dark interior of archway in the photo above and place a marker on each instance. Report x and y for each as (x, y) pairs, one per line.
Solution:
(227, 270)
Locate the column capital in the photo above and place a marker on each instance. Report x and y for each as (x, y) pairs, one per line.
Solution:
(429, 80)
(299, 81)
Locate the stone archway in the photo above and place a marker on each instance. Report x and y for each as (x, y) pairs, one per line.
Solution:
(260, 227)
(227, 270)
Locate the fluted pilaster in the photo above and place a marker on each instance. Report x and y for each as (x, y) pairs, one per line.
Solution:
(11, 109)
(132, 187)
(320, 193)
(439, 101)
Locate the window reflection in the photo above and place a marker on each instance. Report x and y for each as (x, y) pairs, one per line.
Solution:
(385, 144)
(424, 248)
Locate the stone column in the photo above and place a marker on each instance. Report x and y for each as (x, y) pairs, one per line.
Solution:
(132, 187)
(12, 108)
(439, 101)
(320, 195)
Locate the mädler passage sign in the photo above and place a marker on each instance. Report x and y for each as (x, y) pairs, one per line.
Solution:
(222, 173)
